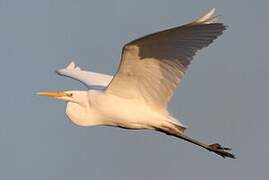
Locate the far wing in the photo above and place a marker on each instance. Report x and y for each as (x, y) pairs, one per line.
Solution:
(90, 79)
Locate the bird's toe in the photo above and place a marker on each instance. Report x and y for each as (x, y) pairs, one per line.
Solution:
(222, 151)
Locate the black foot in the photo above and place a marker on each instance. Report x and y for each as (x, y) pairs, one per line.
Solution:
(222, 151)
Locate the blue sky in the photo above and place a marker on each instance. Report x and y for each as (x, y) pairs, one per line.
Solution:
(223, 97)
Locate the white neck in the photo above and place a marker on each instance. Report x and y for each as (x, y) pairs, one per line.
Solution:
(82, 115)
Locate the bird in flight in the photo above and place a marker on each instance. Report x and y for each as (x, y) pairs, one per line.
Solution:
(136, 97)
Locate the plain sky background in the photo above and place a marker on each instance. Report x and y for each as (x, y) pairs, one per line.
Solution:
(223, 98)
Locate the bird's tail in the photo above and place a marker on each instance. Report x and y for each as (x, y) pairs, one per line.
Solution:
(176, 124)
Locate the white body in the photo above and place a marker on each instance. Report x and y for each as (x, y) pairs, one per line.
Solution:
(111, 110)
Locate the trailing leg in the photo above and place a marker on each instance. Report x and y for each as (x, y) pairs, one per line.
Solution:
(216, 148)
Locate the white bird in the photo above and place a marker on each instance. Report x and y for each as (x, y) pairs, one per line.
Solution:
(137, 96)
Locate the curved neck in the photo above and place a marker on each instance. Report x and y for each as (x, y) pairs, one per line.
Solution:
(82, 115)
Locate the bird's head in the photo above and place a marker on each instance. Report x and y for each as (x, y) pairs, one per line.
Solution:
(77, 105)
(77, 97)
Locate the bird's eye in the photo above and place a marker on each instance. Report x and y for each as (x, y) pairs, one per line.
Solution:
(70, 94)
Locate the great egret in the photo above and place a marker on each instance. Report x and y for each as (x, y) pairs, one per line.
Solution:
(138, 94)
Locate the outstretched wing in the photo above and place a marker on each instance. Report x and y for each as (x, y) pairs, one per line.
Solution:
(90, 79)
(152, 66)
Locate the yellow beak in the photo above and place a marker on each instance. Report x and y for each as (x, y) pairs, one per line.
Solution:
(52, 94)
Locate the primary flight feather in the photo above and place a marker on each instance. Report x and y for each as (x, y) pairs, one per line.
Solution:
(136, 97)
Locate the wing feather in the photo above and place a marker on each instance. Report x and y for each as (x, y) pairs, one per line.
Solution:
(90, 79)
(152, 66)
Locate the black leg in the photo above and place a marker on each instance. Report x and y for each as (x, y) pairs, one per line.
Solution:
(216, 148)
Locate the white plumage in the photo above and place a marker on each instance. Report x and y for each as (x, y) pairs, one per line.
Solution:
(90, 79)
(137, 96)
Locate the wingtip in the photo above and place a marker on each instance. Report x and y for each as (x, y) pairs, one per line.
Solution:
(77, 68)
(209, 13)
(212, 11)
(207, 18)
(71, 65)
